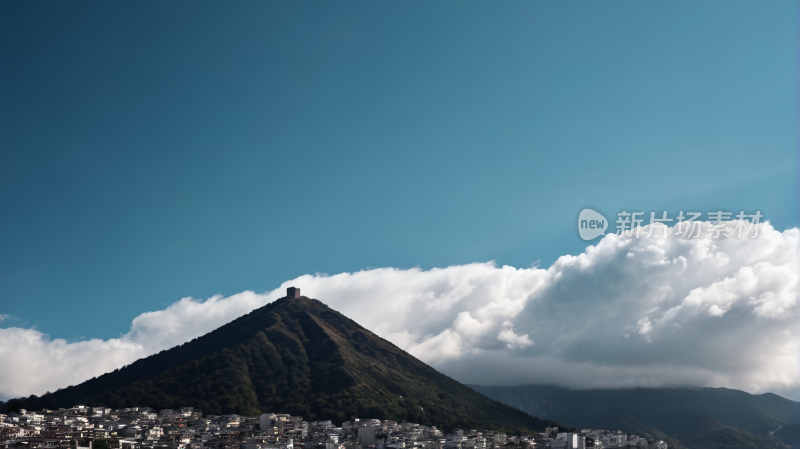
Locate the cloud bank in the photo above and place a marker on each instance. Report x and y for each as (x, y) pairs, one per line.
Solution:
(627, 312)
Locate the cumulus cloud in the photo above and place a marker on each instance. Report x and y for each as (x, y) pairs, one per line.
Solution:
(627, 312)
(34, 363)
(511, 338)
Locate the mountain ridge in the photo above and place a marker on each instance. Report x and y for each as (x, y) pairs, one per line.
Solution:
(735, 416)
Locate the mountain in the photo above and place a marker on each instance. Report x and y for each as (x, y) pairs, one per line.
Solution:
(697, 425)
(732, 438)
(701, 431)
(691, 415)
(298, 356)
(789, 434)
(698, 431)
(616, 419)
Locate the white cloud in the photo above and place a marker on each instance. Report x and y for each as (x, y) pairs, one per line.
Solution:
(190, 318)
(36, 363)
(627, 312)
(644, 326)
(511, 338)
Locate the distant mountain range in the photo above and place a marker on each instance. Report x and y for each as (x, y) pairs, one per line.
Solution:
(694, 418)
(297, 356)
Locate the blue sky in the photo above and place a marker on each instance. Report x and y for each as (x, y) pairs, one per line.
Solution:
(157, 150)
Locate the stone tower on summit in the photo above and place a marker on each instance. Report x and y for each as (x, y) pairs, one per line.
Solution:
(293, 292)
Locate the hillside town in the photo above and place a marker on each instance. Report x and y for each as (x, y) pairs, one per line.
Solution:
(82, 427)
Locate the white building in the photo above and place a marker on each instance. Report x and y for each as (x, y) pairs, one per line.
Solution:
(571, 440)
(265, 421)
(366, 435)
